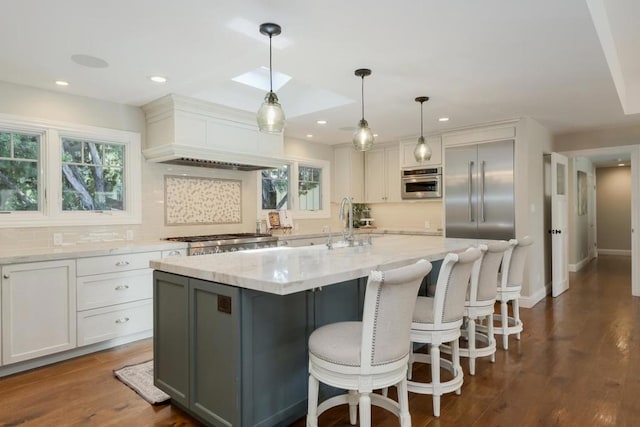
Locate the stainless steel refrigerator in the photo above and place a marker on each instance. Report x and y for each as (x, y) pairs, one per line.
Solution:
(479, 191)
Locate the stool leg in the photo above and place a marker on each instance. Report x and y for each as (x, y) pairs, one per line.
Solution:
(435, 378)
(411, 358)
(516, 314)
(504, 324)
(353, 406)
(471, 332)
(365, 409)
(455, 360)
(491, 336)
(312, 405)
(403, 401)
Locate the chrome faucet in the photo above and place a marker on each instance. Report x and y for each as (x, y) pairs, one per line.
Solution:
(349, 236)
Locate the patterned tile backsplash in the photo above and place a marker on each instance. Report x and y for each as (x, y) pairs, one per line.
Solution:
(197, 200)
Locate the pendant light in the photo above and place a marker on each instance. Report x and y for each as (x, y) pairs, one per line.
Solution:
(363, 136)
(422, 151)
(270, 115)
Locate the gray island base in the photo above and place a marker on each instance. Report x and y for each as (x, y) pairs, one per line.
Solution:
(231, 330)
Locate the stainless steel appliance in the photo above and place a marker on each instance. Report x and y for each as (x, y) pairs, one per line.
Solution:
(479, 191)
(217, 243)
(423, 183)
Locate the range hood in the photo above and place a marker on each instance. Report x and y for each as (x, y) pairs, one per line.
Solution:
(187, 131)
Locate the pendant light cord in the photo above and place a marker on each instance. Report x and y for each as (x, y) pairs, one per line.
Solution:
(421, 117)
(362, 97)
(270, 67)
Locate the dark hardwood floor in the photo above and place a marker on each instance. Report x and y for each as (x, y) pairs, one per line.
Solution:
(578, 363)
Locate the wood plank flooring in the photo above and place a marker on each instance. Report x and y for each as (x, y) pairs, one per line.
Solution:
(578, 363)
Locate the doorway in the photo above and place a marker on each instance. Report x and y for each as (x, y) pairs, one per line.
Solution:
(602, 157)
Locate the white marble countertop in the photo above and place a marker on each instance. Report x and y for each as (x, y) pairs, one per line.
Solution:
(373, 231)
(10, 255)
(286, 270)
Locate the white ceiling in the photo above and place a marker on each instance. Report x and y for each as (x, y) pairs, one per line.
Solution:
(479, 61)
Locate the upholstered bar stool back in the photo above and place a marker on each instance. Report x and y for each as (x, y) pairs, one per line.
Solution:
(480, 302)
(509, 287)
(373, 354)
(437, 320)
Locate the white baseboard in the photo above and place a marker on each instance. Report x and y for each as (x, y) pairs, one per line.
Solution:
(530, 301)
(622, 252)
(78, 351)
(578, 266)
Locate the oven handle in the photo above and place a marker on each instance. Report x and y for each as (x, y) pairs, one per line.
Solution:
(469, 189)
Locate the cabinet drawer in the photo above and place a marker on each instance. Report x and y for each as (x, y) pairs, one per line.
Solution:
(115, 263)
(116, 288)
(106, 323)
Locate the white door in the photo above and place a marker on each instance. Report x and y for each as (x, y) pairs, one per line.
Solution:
(559, 224)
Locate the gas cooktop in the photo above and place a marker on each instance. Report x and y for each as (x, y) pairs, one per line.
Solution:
(216, 237)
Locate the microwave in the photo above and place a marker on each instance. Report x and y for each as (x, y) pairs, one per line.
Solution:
(424, 183)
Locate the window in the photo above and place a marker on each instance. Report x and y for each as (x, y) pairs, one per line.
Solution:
(301, 187)
(62, 174)
(19, 172)
(92, 176)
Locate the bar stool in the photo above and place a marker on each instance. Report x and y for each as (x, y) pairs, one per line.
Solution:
(368, 355)
(480, 302)
(509, 287)
(437, 321)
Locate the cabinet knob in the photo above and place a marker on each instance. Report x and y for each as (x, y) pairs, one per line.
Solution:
(5, 276)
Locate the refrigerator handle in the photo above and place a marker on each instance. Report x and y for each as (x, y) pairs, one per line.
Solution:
(482, 164)
(469, 189)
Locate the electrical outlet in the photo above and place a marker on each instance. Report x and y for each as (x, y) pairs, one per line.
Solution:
(129, 235)
(57, 239)
(427, 225)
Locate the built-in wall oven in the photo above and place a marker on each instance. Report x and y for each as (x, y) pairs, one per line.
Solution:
(423, 183)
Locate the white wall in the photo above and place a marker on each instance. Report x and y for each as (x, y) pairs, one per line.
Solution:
(613, 196)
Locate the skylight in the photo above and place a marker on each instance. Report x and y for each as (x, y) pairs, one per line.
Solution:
(259, 79)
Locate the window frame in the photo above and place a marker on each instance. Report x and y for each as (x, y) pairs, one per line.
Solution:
(294, 201)
(50, 189)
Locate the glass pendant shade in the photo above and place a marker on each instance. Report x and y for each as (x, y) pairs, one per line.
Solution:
(422, 151)
(363, 137)
(270, 115)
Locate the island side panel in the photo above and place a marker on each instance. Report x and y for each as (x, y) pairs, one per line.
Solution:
(215, 352)
(274, 357)
(171, 335)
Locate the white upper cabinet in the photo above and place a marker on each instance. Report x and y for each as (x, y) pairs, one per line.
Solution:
(407, 160)
(348, 174)
(382, 175)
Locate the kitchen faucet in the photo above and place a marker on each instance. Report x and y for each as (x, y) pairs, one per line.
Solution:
(349, 236)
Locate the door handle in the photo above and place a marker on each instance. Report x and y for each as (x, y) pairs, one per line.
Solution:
(482, 164)
(469, 189)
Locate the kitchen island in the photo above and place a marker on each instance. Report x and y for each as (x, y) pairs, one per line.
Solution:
(231, 330)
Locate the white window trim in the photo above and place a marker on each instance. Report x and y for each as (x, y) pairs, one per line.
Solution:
(51, 213)
(296, 213)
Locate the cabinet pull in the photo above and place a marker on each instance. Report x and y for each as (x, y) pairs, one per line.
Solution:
(122, 320)
(121, 287)
(122, 263)
(174, 253)
(482, 164)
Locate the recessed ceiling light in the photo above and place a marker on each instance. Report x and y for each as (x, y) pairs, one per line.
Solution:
(309, 135)
(62, 83)
(158, 79)
(321, 122)
(620, 164)
(443, 119)
(375, 134)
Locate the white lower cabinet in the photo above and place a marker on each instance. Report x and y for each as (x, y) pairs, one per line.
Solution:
(115, 321)
(114, 296)
(38, 309)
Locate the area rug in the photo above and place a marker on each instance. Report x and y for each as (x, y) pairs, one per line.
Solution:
(140, 378)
